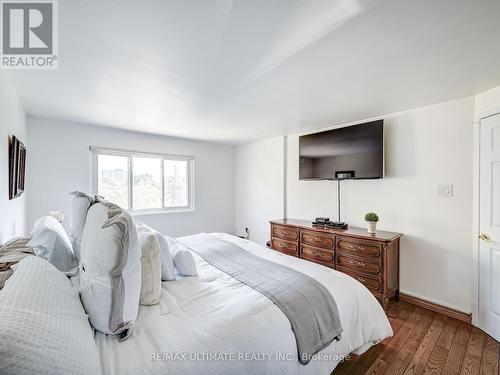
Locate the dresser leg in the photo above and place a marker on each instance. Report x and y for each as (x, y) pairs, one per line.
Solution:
(385, 303)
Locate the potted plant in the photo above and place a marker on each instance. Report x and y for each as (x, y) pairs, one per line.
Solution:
(371, 219)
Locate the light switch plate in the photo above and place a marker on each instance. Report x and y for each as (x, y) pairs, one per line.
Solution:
(445, 191)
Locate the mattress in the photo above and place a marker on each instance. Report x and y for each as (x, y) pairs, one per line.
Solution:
(214, 324)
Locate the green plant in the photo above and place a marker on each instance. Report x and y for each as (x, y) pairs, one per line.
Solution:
(371, 217)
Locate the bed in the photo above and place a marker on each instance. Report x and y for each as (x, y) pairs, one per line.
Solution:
(215, 314)
(210, 324)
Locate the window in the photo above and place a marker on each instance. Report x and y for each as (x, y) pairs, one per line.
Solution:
(113, 179)
(143, 182)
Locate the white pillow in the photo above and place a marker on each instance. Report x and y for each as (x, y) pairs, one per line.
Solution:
(183, 259)
(151, 269)
(50, 241)
(43, 326)
(167, 261)
(80, 204)
(110, 277)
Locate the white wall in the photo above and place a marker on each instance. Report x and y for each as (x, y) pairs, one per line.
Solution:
(259, 187)
(12, 122)
(488, 101)
(60, 163)
(424, 147)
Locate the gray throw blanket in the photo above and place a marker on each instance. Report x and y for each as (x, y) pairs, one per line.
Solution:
(307, 304)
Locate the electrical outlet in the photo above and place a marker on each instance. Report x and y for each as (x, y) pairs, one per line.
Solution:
(445, 191)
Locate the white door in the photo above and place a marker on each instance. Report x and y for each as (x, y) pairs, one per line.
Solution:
(489, 227)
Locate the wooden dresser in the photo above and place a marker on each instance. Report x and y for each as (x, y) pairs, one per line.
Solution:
(372, 259)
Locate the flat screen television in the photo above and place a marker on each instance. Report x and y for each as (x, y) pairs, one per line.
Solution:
(352, 152)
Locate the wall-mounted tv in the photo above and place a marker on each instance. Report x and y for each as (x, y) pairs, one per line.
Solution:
(352, 152)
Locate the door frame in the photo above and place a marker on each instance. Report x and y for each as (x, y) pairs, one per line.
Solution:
(476, 212)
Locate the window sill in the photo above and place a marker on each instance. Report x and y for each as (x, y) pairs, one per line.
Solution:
(160, 211)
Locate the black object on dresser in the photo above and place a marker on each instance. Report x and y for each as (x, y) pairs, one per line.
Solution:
(372, 259)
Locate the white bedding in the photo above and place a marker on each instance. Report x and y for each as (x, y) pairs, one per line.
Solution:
(244, 332)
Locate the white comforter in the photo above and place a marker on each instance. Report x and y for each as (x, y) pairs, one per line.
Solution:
(213, 316)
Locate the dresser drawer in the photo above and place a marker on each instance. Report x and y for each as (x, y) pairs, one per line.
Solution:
(286, 233)
(373, 284)
(317, 239)
(284, 246)
(358, 265)
(360, 248)
(315, 254)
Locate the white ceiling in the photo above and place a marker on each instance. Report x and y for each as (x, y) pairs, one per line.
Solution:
(240, 70)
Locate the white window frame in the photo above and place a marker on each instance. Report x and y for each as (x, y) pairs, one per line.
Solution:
(96, 151)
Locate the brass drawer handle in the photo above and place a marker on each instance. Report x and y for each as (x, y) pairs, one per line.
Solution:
(356, 263)
(284, 233)
(311, 238)
(355, 247)
(362, 280)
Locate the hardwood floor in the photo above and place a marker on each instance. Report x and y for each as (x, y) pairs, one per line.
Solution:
(425, 342)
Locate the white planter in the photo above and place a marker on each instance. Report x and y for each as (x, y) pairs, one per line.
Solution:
(372, 226)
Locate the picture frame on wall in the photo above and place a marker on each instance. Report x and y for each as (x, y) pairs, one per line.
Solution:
(17, 167)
